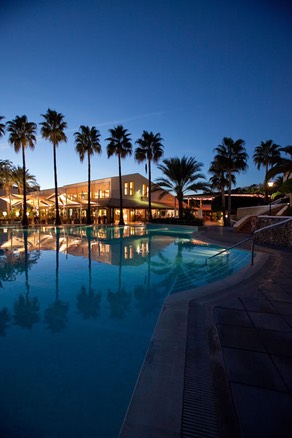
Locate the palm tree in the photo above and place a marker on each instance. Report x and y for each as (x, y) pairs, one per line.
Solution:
(181, 175)
(219, 180)
(150, 149)
(120, 145)
(30, 180)
(87, 143)
(232, 157)
(53, 130)
(265, 155)
(2, 127)
(284, 165)
(6, 179)
(22, 135)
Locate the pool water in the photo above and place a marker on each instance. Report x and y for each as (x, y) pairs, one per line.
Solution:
(77, 310)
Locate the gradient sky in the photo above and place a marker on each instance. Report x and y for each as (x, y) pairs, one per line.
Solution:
(193, 70)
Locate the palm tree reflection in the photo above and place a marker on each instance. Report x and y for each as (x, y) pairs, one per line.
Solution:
(25, 308)
(88, 303)
(147, 299)
(119, 301)
(171, 268)
(56, 313)
(15, 258)
(26, 311)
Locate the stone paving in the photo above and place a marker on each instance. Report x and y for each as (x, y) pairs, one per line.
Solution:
(255, 336)
(220, 365)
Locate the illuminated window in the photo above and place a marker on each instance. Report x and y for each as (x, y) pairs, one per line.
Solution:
(128, 252)
(103, 194)
(129, 188)
(145, 190)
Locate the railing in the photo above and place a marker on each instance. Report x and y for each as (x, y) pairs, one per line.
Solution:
(227, 249)
(250, 238)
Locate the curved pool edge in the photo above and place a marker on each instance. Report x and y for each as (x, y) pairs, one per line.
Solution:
(157, 402)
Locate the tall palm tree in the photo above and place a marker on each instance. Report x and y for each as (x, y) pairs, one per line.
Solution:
(266, 155)
(52, 129)
(2, 127)
(233, 158)
(150, 149)
(181, 176)
(120, 145)
(22, 135)
(87, 143)
(219, 180)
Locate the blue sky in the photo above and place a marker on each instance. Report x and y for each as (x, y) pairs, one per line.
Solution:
(193, 70)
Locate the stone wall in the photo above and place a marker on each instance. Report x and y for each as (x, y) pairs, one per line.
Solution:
(256, 211)
(280, 236)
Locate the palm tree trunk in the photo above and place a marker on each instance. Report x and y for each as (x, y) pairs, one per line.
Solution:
(8, 195)
(149, 193)
(121, 222)
(24, 221)
(180, 207)
(88, 219)
(58, 220)
(266, 184)
(223, 205)
(229, 200)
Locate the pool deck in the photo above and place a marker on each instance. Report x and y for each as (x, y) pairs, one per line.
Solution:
(220, 359)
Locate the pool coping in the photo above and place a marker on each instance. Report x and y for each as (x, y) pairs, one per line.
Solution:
(157, 407)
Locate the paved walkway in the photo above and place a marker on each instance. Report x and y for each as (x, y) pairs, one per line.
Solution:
(253, 331)
(220, 364)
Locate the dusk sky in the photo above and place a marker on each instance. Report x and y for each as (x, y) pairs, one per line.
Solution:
(194, 70)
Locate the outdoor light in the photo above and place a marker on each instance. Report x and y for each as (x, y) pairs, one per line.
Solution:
(270, 185)
(17, 214)
(4, 213)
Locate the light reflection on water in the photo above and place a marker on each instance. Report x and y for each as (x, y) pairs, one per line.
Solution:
(77, 309)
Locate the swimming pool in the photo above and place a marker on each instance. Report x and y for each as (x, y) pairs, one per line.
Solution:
(78, 306)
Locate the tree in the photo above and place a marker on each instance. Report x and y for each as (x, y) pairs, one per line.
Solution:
(2, 127)
(87, 143)
(150, 149)
(266, 155)
(232, 157)
(6, 179)
(181, 176)
(219, 180)
(284, 165)
(120, 145)
(22, 135)
(52, 129)
(30, 180)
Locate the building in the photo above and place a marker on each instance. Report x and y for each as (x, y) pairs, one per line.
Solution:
(104, 199)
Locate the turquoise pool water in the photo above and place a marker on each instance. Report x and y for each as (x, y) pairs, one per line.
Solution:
(77, 309)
